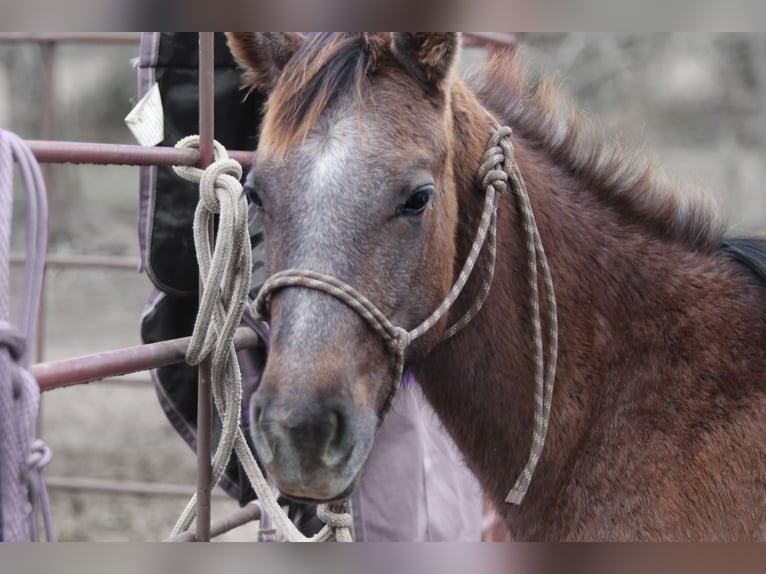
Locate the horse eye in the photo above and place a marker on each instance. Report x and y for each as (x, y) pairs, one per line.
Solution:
(253, 196)
(417, 202)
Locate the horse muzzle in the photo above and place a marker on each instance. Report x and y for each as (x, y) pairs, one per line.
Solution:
(313, 447)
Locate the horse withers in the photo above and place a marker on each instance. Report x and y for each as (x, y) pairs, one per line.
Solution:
(365, 174)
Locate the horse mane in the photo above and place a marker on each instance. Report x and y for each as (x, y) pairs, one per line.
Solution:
(326, 66)
(631, 185)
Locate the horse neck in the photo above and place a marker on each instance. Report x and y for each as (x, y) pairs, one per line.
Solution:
(481, 382)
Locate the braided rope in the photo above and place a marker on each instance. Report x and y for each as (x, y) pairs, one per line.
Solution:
(497, 173)
(21, 479)
(225, 276)
(545, 371)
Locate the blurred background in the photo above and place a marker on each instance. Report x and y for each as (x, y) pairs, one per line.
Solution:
(696, 102)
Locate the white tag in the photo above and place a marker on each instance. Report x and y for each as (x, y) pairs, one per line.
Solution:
(146, 119)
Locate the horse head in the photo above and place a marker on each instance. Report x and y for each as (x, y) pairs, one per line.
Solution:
(353, 176)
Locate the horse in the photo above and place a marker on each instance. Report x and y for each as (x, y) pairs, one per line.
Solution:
(365, 176)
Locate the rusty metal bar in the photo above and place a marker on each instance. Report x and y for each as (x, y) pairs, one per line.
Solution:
(103, 154)
(204, 389)
(75, 37)
(49, 122)
(120, 154)
(84, 261)
(249, 513)
(105, 486)
(87, 368)
(47, 151)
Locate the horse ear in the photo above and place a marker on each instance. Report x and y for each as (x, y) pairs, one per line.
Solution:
(429, 56)
(263, 55)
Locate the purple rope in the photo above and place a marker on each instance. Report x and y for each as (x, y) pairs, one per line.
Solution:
(21, 455)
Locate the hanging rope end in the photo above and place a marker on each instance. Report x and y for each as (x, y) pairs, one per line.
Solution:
(515, 496)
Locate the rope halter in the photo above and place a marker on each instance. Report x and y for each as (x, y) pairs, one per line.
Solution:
(497, 173)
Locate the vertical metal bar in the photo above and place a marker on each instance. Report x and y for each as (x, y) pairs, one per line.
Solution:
(49, 50)
(204, 406)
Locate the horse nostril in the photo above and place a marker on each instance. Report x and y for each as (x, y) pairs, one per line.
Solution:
(336, 444)
(256, 416)
(337, 429)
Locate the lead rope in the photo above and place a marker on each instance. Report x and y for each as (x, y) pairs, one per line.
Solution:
(225, 275)
(545, 371)
(498, 170)
(22, 456)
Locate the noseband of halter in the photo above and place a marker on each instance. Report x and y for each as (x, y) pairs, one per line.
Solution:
(497, 173)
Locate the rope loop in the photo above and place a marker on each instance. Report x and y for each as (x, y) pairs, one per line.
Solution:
(192, 173)
(334, 519)
(39, 456)
(23, 489)
(496, 178)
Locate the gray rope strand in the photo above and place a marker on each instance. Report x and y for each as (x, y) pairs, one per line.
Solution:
(545, 371)
(493, 187)
(213, 333)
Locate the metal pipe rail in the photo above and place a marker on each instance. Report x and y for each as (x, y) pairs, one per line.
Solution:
(120, 154)
(249, 513)
(105, 486)
(115, 262)
(88, 368)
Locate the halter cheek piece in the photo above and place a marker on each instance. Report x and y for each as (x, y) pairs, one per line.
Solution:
(497, 172)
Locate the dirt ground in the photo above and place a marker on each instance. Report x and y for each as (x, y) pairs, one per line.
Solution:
(696, 102)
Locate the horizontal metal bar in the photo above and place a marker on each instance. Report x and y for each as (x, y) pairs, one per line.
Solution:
(87, 368)
(84, 261)
(78, 484)
(47, 151)
(83, 37)
(249, 513)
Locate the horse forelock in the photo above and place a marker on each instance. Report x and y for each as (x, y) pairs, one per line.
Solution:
(324, 68)
(632, 185)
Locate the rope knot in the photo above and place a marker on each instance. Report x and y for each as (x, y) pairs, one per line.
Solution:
(333, 519)
(497, 161)
(402, 340)
(39, 456)
(218, 177)
(195, 174)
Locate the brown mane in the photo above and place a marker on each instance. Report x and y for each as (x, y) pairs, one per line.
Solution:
(325, 67)
(631, 185)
